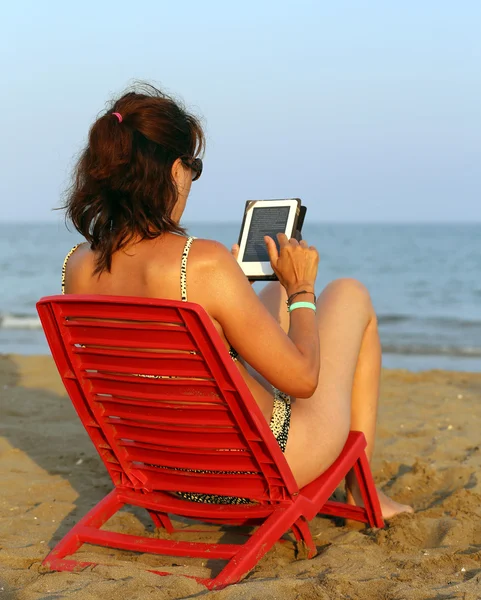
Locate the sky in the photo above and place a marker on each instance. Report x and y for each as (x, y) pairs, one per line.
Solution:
(369, 111)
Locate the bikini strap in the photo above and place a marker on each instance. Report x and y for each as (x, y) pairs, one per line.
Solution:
(64, 267)
(183, 269)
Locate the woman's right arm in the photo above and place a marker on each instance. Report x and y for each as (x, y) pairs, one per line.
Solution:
(289, 362)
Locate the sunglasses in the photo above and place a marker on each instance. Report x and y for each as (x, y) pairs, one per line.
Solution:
(195, 164)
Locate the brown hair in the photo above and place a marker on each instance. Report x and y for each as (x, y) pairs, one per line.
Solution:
(123, 185)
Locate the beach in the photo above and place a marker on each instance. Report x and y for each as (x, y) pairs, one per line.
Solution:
(427, 454)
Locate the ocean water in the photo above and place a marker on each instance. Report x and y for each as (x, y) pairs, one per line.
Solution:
(425, 282)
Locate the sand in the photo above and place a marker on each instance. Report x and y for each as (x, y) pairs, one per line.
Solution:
(428, 454)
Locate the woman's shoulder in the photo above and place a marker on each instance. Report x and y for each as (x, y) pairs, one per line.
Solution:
(74, 258)
(212, 271)
(77, 254)
(208, 247)
(209, 253)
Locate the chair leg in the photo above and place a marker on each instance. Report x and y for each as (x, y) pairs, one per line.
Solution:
(260, 542)
(368, 491)
(302, 533)
(161, 520)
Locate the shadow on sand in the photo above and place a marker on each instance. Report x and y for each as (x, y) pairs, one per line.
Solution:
(43, 424)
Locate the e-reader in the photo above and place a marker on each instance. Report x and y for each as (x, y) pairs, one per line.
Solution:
(261, 218)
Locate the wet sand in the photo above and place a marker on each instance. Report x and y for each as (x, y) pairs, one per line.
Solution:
(427, 454)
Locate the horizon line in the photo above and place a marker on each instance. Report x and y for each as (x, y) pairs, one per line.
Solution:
(237, 222)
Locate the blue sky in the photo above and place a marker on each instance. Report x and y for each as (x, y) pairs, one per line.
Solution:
(368, 111)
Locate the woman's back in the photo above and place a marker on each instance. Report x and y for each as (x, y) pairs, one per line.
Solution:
(147, 268)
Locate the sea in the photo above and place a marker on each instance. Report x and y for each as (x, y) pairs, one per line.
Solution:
(424, 280)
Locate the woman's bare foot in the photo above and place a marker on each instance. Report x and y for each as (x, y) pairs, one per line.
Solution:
(389, 507)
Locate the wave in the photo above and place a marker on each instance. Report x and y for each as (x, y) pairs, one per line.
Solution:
(452, 322)
(19, 322)
(388, 319)
(428, 350)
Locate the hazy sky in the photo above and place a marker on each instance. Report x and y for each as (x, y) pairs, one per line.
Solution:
(368, 111)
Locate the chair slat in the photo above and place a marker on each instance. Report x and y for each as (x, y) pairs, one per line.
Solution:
(181, 404)
(158, 445)
(129, 353)
(180, 416)
(109, 335)
(176, 428)
(73, 323)
(156, 389)
(245, 486)
(219, 461)
(120, 378)
(181, 365)
(221, 441)
(120, 311)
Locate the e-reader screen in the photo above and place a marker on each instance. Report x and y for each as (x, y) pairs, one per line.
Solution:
(265, 221)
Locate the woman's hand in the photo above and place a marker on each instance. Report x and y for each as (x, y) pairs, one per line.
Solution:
(295, 264)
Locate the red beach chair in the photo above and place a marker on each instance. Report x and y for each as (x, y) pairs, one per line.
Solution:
(166, 407)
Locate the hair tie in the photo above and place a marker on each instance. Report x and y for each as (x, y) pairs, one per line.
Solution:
(119, 117)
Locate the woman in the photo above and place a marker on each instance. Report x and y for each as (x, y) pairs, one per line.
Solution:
(130, 190)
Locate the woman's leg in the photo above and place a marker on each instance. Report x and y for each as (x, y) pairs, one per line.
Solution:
(347, 395)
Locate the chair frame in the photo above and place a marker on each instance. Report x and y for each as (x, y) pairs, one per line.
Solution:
(279, 505)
